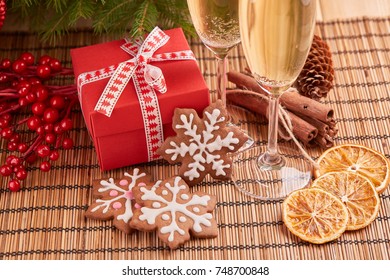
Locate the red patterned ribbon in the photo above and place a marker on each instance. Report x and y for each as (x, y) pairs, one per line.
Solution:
(147, 79)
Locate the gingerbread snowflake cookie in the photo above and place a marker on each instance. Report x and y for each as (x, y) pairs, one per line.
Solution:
(114, 199)
(170, 208)
(202, 145)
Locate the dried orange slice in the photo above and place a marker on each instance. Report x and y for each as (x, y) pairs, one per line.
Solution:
(314, 215)
(356, 192)
(358, 159)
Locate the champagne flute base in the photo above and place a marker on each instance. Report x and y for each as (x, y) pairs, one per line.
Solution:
(270, 182)
(269, 163)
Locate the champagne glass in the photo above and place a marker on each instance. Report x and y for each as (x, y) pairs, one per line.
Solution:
(276, 36)
(216, 23)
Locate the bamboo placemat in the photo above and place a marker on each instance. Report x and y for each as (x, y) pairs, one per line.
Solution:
(45, 219)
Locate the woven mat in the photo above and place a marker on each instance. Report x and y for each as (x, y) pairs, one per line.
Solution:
(45, 219)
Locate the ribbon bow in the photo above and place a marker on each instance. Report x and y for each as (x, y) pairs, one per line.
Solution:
(152, 75)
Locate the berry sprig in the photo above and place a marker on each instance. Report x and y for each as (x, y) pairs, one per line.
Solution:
(24, 66)
(49, 114)
(3, 10)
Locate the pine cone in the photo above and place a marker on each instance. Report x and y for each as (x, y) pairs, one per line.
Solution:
(2, 12)
(316, 77)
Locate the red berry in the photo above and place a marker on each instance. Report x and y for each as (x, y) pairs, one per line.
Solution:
(28, 58)
(5, 63)
(3, 78)
(12, 146)
(43, 71)
(44, 59)
(55, 65)
(48, 127)
(22, 147)
(14, 185)
(41, 92)
(66, 124)
(23, 91)
(3, 106)
(14, 83)
(6, 133)
(67, 143)
(21, 174)
(57, 129)
(38, 108)
(4, 123)
(9, 159)
(23, 83)
(40, 130)
(31, 97)
(14, 138)
(50, 115)
(34, 122)
(45, 166)
(50, 138)
(19, 66)
(31, 158)
(5, 170)
(17, 168)
(35, 81)
(22, 101)
(6, 116)
(43, 150)
(57, 102)
(13, 160)
(54, 155)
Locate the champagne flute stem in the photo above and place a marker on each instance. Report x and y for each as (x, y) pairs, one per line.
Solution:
(221, 78)
(271, 159)
(272, 148)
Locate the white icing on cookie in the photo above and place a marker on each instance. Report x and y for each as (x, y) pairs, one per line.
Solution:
(118, 193)
(165, 217)
(156, 205)
(203, 146)
(173, 207)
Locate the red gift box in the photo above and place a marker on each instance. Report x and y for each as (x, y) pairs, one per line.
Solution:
(120, 139)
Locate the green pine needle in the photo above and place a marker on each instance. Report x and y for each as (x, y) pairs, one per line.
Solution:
(145, 19)
(54, 18)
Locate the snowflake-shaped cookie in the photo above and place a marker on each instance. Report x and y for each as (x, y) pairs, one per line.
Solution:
(169, 207)
(202, 145)
(114, 200)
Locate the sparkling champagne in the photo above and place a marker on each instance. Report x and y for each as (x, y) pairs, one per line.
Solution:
(216, 22)
(276, 36)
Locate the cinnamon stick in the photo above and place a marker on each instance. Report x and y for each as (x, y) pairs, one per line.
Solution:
(306, 106)
(313, 123)
(291, 99)
(326, 141)
(322, 127)
(303, 130)
(244, 81)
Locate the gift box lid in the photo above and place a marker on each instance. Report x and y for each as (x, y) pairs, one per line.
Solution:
(185, 85)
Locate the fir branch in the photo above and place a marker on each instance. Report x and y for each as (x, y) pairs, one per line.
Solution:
(58, 5)
(81, 9)
(56, 27)
(54, 18)
(114, 16)
(174, 13)
(145, 19)
(23, 7)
